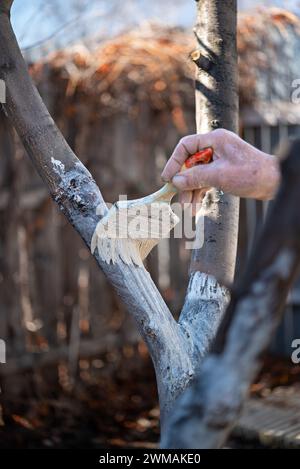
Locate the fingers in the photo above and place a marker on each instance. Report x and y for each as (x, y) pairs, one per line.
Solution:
(198, 177)
(187, 146)
(192, 200)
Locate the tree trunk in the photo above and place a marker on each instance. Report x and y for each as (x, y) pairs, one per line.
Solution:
(217, 107)
(212, 266)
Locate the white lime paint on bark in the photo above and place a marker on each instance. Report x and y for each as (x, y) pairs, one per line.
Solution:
(205, 303)
(58, 166)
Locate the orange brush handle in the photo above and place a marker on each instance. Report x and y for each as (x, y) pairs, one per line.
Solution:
(204, 156)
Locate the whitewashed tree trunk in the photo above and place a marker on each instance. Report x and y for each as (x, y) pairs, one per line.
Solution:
(174, 347)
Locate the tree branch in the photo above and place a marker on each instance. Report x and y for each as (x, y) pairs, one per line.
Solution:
(212, 266)
(5, 6)
(217, 107)
(207, 411)
(76, 193)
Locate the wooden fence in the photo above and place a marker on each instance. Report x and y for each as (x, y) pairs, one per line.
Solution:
(55, 304)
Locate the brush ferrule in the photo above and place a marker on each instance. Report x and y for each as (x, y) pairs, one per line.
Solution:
(166, 193)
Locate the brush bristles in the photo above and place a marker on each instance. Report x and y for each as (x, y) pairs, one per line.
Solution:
(128, 250)
(130, 231)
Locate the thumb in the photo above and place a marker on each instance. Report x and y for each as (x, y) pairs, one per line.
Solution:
(197, 177)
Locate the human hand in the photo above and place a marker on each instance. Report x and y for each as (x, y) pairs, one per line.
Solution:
(237, 168)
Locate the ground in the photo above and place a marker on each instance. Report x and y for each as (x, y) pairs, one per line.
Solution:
(113, 404)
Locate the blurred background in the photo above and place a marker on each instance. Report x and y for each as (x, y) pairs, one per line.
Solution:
(118, 82)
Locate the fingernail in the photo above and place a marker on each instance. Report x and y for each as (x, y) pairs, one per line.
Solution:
(179, 181)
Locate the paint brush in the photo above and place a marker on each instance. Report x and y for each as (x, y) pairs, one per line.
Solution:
(131, 228)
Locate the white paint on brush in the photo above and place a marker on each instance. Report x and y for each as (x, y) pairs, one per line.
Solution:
(131, 229)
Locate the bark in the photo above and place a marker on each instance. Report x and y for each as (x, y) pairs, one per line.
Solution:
(216, 107)
(207, 411)
(213, 265)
